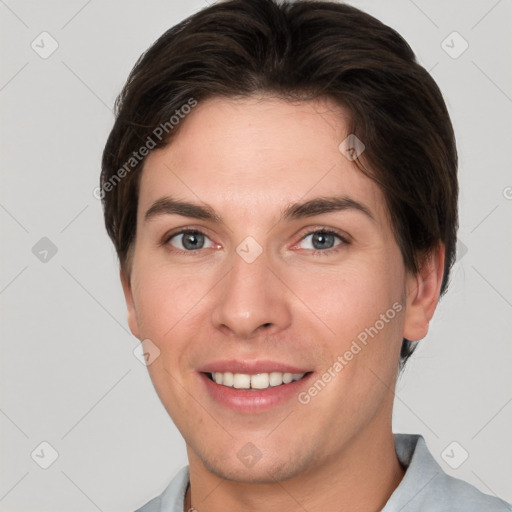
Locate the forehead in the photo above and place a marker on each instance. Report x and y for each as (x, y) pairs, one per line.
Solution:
(257, 155)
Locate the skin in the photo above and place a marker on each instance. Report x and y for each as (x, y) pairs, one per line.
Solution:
(248, 159)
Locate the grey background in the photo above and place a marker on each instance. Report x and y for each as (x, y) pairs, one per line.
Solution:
(68, 373)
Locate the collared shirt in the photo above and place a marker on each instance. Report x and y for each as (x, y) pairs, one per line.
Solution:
(425, 486)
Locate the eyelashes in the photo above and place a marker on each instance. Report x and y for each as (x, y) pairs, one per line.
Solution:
(195, 236)
(193, 241)
(325, 233)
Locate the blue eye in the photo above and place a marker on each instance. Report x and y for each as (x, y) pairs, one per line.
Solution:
(189, 240)
(322, 240)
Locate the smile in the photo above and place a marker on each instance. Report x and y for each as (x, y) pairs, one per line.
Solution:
(255, 381)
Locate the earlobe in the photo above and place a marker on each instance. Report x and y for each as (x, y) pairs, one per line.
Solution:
(130, 305)
(423, 290)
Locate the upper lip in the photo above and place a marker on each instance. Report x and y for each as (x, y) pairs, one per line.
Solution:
(250, 367)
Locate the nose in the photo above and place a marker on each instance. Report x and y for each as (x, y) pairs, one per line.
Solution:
(251, 300)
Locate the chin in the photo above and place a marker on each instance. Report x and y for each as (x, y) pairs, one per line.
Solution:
(266, 470)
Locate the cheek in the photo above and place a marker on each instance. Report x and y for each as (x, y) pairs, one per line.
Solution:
(349, 296)
(164, 298)
(358, 302)
(168, 304)
(363, 309)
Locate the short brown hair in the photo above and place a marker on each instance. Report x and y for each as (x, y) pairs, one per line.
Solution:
(298, 51)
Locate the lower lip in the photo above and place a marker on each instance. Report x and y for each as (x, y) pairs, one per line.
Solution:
(253, 401)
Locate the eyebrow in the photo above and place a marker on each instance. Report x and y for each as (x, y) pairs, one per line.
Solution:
(320, 205)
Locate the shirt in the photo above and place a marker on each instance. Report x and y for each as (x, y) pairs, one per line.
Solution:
(425, 486)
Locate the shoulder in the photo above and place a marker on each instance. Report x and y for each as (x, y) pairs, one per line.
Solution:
(151, 506)
(172, 497)
(426, 487)
(456, 495)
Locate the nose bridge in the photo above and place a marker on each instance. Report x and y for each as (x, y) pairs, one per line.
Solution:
(250, 295)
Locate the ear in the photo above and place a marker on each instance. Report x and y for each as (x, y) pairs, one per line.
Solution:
(130, 305)
(423, 290)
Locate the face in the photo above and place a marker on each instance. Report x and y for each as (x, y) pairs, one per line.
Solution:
(259, 287)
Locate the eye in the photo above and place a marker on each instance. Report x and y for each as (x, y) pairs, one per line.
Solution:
(322, 240)
(189, 240)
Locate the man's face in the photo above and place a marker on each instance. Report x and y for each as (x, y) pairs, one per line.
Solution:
(259, 292)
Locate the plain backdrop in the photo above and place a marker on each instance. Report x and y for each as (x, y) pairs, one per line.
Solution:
(69, 377)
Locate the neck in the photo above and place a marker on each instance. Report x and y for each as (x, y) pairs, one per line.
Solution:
(361, 479)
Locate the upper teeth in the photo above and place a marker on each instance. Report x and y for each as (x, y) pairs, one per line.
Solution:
(257, 381)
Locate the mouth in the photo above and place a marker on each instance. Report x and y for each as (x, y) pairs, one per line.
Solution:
(256, 381)
(253, 387)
